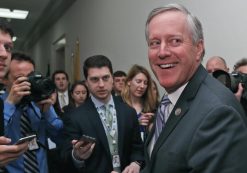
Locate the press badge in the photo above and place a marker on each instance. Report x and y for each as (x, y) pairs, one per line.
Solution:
(115, 161)
(33, 145)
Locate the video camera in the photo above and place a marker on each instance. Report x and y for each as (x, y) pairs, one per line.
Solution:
(232, 80)
(41, 87)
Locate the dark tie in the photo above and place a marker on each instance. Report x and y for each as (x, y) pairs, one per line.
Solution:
(161, 114)
(30, 159)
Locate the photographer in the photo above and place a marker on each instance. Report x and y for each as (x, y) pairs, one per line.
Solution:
(40, 116)
(216, 63)
(241, 66)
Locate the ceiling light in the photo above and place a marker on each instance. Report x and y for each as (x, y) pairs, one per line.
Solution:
(15, 14)
(14, 38)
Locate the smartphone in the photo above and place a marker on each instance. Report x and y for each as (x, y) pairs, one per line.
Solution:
(87, 139)
(25, 139)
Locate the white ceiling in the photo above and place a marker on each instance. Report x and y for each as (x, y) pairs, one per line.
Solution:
(42, 13)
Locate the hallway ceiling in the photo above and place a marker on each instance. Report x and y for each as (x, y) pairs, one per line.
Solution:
(42, 14)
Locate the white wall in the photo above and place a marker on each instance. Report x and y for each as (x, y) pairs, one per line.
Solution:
(115, 28)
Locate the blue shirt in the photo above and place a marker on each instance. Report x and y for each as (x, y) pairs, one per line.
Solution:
(45, 125)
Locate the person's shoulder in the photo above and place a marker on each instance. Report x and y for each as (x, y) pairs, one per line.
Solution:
(119, 102)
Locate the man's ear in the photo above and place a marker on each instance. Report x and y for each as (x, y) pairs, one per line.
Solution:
(200, 50)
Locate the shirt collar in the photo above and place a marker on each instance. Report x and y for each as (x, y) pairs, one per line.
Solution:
(98, 103)
(63, 93)
(173, 97)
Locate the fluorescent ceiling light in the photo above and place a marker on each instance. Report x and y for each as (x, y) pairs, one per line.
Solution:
(15, 14)
(14, 38)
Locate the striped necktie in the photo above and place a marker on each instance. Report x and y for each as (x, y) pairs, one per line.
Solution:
(162, 113)
(30, 159)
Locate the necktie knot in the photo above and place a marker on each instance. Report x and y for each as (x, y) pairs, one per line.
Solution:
(165, 100)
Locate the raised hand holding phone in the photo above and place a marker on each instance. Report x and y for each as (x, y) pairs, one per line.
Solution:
(26, 139)
(83, 148)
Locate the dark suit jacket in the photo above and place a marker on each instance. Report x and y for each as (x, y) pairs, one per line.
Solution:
(86, 120)
(205, 133)
(57, 107)
(1, 118)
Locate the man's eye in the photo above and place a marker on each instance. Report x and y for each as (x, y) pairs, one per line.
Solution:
(8, 47)
(106, 78)
(94, 79)
(175, 42)
(154, 43)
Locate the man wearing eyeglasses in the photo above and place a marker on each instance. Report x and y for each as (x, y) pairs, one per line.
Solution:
(111, 122)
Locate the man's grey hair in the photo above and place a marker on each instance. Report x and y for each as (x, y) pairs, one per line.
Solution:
(194, 24)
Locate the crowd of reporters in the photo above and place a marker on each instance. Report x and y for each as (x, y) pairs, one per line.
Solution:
(53, 117)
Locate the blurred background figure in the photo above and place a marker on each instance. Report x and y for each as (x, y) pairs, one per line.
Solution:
(156, 93)
(119, 78)
(241, 68)
(138, 93)
(61, 80)
(79, 93)
(216, 63)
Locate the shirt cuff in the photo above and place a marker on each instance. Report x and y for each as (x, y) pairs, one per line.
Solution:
(77, 163)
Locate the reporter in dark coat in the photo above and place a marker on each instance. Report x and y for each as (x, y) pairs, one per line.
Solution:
(88, 119)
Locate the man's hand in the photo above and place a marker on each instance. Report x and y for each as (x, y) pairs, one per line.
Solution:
(240, 91)
(132, 168)
(10, 152)
(44, 105)
(20, 88)
(82, 150)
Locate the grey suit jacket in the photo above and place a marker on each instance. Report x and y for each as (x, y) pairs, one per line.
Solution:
(208, 136)
(86, 120)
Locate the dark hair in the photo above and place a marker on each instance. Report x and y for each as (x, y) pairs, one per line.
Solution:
(4, 27)
(22, 57)
(241, 62)
(96, 61)
(119, 74)
(75, 84)
(58, 72)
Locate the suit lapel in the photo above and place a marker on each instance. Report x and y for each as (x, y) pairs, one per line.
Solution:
(179, 109)
(121, 124)
(171, 123)
(97, 126)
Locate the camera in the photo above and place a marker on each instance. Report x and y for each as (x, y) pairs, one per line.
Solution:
(232, 80)
(41, 87)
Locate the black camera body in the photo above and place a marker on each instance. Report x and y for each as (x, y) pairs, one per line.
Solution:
(232, 80)
(41, 87)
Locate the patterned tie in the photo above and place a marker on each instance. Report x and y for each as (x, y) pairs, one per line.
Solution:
(162, 113)
(30, 159)
(108, 114)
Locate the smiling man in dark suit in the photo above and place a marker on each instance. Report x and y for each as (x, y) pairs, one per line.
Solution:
(118, 146)
(204, 127)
